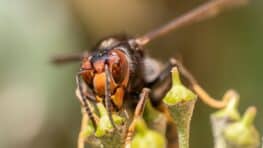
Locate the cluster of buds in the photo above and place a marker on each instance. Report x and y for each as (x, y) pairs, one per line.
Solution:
(232, 131)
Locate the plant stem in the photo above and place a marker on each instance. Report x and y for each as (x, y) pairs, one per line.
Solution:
(182, 114)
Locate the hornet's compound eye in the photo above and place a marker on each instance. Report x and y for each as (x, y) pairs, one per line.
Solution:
(117, 67)
(117, 73)
(87, 71)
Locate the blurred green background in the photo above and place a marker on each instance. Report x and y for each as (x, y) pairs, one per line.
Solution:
(37, 102)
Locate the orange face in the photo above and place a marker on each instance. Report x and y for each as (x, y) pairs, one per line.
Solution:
(93, 73)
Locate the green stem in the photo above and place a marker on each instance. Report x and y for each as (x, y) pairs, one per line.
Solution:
(175, 76)
(181, 102)
(183, 136)
(182, 114)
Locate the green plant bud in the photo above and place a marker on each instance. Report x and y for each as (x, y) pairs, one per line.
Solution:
(181, 102)
(222, 118)
(105, 125)
(230, 112)
(145, 137)
(89, 130)
(243, 134)
(178, 92)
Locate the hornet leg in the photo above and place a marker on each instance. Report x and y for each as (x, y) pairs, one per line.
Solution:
(137, 114)
(84, 102)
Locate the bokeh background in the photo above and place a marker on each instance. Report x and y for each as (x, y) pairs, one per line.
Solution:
(37, 102)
